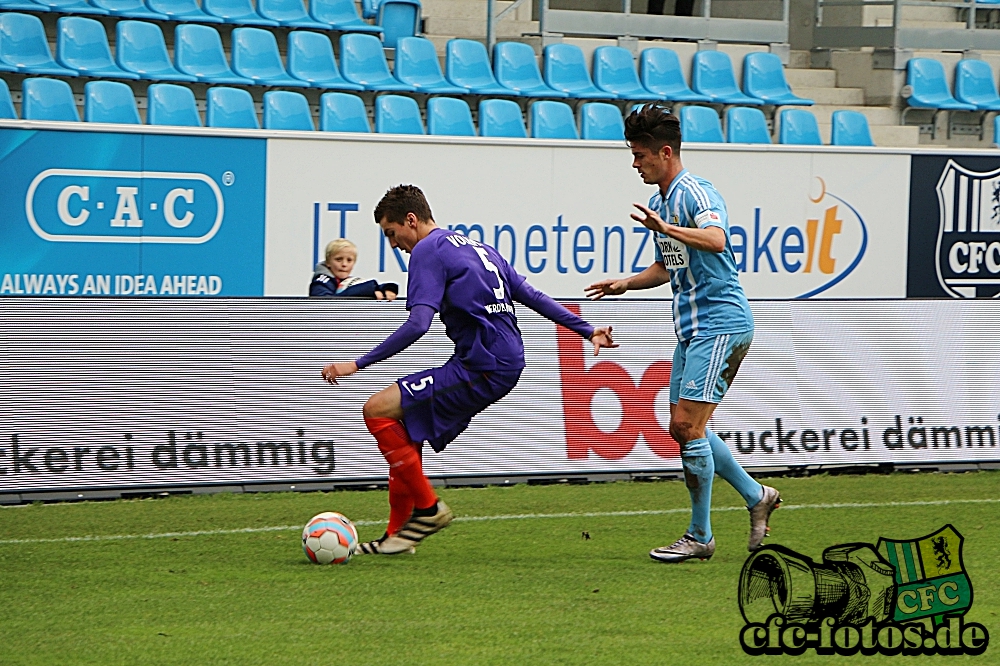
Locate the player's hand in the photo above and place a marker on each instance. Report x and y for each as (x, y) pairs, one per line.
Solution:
(604, 288)
(334, 370)
(602, 338)
(650, 219)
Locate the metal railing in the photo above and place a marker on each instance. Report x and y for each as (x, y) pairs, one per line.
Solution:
(492, 18)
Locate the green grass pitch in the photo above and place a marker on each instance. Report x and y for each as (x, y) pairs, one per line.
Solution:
(519, 590)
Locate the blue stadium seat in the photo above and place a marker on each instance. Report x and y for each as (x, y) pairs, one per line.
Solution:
(501, 117)
(996, 130)
(182, 10)
(198, 52)
(48, 99)
(133, 9)
(930, 88)
(601, 122)
(395, 114)
(362, 61)
(289, 13)
(141, 49)
(516, 68)
(764, 78)
(82, 45)
(614, 71)
(287, 110)
(850, 128)
(169, 104)
(230, 107)
(700, 124)
(109, 102)
(398, 19)
(417, 65)
(72, 7)
(565, 69)
(22, 5)
(799, 127)
(240, 12)
(310, 58)
(341, 112)
(467, 64)
(24, 47)
(974, 84)
(256, 56)
(712, 75)
(553, 120)
(341, 15)
(369, 9)
(7, 111)
(746, 124)
(450, 117)
(660, 73)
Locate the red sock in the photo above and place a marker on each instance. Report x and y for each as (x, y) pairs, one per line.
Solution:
(400, 504)
(403, 458)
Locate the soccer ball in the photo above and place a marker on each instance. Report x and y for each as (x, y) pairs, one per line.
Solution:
(329, 538)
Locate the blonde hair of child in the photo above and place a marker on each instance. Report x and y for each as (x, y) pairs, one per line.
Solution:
(335, 246)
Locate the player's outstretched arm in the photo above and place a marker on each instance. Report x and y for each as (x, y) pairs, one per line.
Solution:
(418, 323)
(653, 276)
(602, 338)
(546, 306)
(707, 239)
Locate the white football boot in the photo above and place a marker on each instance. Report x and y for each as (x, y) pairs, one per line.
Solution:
(760, 513)
(685, 548)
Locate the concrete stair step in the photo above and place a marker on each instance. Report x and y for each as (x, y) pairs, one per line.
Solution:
(476, 28)
(924, 13)
(811, 78)
(837, 96)
(799, 59)
(459, 9)
(877, 115)
(926, 25)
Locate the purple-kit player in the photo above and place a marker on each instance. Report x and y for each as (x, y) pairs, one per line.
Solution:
(473, 289)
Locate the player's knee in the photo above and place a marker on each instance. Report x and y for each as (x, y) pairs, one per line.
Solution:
(371, 410)
(682, 431)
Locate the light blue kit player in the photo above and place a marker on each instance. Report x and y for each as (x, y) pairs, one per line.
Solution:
(712, 319)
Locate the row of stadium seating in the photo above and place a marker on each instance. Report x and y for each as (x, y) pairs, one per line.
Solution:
(82, 48)
(339, 15)
(168, 104)
(975, 86)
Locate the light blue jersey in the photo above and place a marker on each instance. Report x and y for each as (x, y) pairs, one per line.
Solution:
(708, 298)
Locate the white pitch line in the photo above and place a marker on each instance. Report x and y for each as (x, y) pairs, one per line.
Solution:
(519, 516)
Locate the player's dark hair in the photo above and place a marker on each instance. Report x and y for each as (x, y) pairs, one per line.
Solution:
(399, 201)
(653, 126)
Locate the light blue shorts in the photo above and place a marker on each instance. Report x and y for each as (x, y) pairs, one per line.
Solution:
(704, 368)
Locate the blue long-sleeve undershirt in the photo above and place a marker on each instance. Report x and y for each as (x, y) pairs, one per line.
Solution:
(544, 305)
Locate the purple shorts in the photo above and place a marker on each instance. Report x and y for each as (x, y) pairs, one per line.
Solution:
(439, 403)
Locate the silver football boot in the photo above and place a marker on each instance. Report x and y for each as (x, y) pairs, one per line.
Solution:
(760, 513)
(685, 548)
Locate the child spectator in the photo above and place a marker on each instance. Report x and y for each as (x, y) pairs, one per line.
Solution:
(333, 276)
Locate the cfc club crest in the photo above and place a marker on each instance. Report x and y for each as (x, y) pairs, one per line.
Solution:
(930, 576)
(968, 242)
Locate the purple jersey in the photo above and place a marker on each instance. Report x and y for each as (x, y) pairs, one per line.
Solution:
(471, 286)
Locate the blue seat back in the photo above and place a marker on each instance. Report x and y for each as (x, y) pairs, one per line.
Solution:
(286, 110)
(198, 51)
(169, 104)
(565, 68)
(974, 82)
(398, 18)
(233, 9)
(283, 10)
(22, 40)
(700, 124)
(109, 102)
(395, 114)
(450, 117)
(926, 77)
(181, 8)
(6, 103)
(799, 127)
(362, 57)
(48, 99)
(342, 112)
(515, 66)
(255, 53)
(467, 64)
(601, 122)
(230, 107)
(140, 47)
(335, 12)
(996, 130)
(369, 9)
(850, 128)
(310, 57)
(553, 120)
(501, 117)
(746, 125)
(660, 70)
(764, 74)
(83, 44)
(614, 69)
(129, 9)
(417, 62)
(712, 73)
